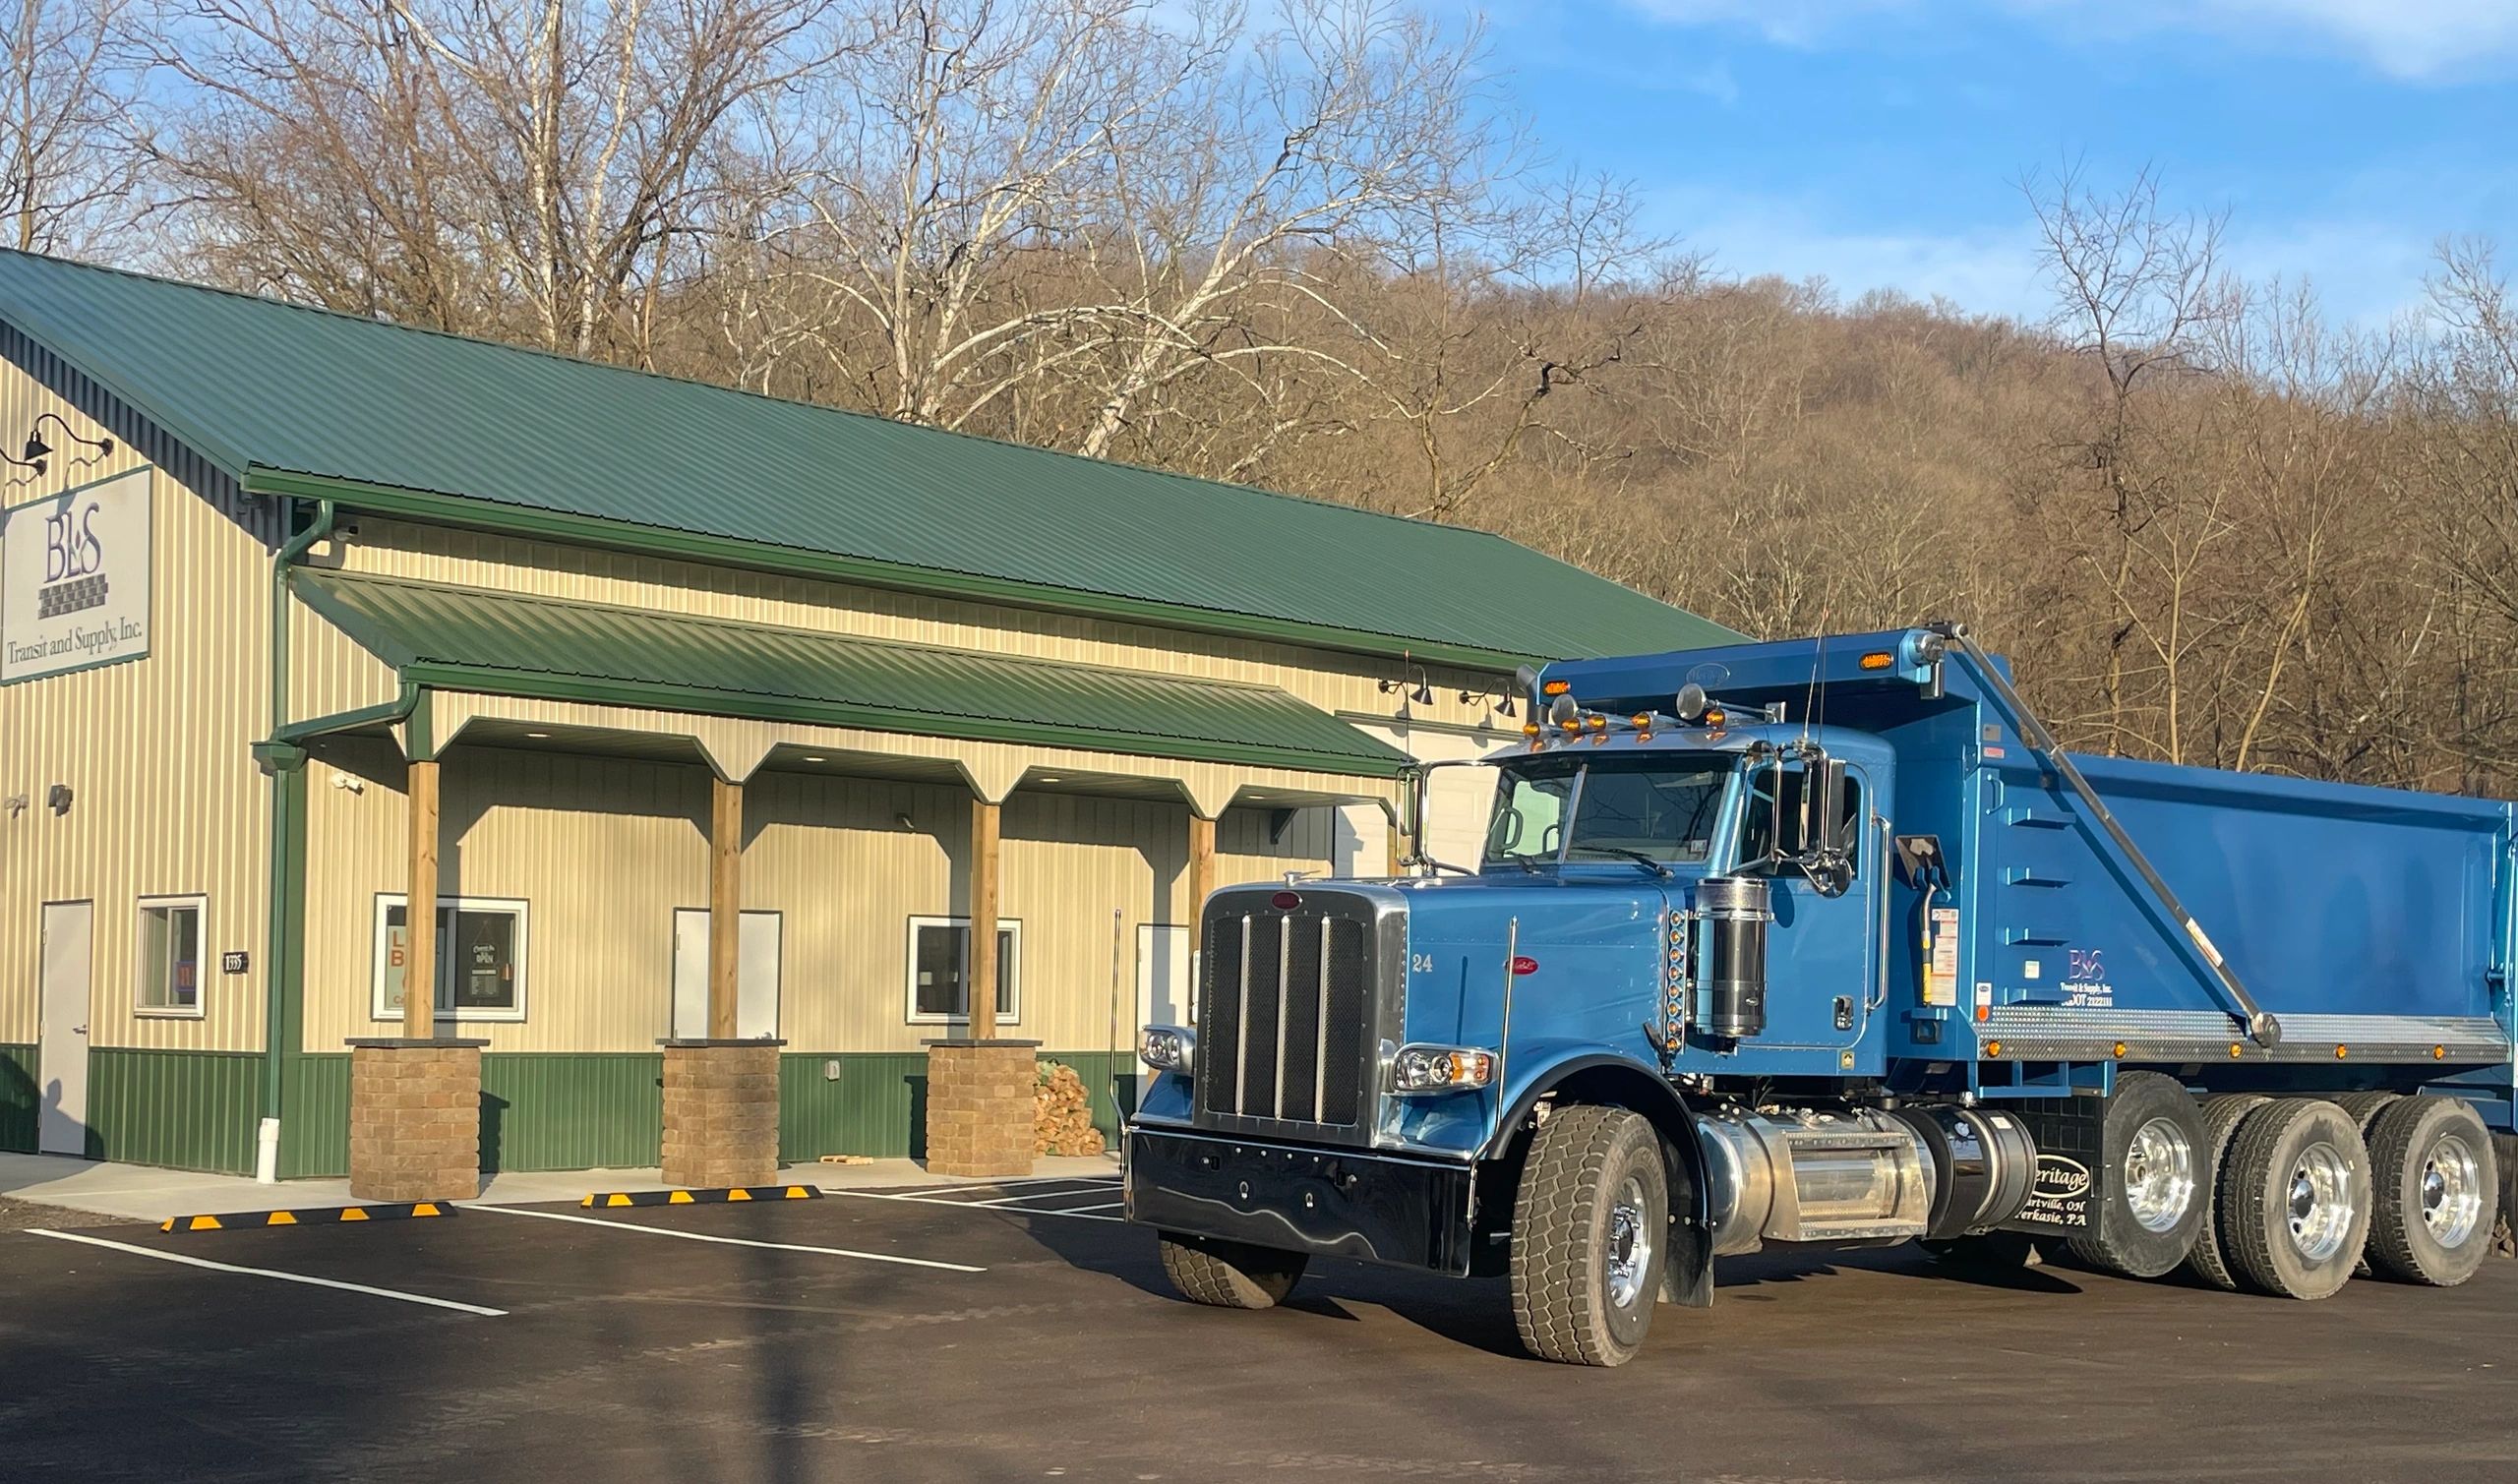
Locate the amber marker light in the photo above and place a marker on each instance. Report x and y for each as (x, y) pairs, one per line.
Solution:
(2236, 1050)
(2120, 1050)
(2438, 1053)
(1993, 1048)
(1530, 729)
(1879, 660)
(1557, 687)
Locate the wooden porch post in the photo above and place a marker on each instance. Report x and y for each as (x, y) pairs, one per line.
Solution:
(419, 909)
(1202, 879)
(725, 904)
(984, 898)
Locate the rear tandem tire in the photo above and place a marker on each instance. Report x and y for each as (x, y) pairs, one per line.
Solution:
(1230, 1275)
(2295, 1198)
(2439, 1189)
(2156, 1165)
(2210, 1259)
(1590, 1235)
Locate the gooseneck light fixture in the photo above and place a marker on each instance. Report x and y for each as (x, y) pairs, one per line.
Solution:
(37, 450)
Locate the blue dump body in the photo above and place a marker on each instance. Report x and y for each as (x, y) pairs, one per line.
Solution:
(2376, 925)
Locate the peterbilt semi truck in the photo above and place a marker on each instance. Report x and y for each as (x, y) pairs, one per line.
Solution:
(1827, 941)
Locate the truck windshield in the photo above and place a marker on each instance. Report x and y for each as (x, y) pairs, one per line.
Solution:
(1664, 812)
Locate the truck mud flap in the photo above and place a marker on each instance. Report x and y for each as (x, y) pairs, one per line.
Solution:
(2070, 1135)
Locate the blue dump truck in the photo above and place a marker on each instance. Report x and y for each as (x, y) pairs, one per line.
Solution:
(1827, 941)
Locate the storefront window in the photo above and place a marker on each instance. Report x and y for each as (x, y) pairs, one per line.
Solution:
(170, 956)
(480, 958)
(939, 956)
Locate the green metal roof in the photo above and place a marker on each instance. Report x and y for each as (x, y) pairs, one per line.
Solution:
(462, 638)
(293, 400)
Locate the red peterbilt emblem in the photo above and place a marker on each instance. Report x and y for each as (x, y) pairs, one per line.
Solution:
(1525, 963)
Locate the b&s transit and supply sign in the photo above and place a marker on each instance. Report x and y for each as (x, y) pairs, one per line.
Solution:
(74, 579)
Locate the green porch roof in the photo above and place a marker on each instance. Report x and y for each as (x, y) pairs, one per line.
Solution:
(462, 638)
(428, 426)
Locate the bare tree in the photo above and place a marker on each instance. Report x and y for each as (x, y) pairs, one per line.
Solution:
(65, 160)
(520, 165)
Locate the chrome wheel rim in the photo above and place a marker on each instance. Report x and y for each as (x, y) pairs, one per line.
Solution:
(2159, 1174)
(1630, 1245)
(2321, 1204)
(2451, 1191)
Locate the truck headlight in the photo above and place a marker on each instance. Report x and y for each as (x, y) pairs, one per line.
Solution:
(1440, 1069)
(1168, 1048)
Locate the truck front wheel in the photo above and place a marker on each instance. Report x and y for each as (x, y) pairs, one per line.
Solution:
(1230, 1275)
(1590, 1233)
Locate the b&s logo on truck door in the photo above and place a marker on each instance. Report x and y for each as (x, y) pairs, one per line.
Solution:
(74, 579)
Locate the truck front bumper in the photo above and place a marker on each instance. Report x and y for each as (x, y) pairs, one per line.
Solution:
(1334, 1203)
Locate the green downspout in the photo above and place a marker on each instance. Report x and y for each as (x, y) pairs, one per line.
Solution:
(283, 1004)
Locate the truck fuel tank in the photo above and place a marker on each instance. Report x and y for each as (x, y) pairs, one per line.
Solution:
(1860, 1176)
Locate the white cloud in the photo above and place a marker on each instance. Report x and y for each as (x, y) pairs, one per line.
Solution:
(2413, 40)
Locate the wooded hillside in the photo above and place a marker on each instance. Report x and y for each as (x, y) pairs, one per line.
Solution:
(1307, 246)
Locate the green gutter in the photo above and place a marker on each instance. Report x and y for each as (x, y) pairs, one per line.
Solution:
(282, 986)
(731, 551)
(651, 695)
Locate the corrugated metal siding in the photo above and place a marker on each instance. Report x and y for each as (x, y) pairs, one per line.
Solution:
(475, 559)
(166, 797)
(337, 396)
(603, 851)
(876, 1106)
(920, 688)
(188, 1109)
(19, 1098)
(571, 1113)
(315, 1132)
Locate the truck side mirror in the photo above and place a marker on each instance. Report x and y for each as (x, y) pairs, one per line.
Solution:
(1827, 839)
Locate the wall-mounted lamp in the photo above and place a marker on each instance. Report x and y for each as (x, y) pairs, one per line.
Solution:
(1422, 696)
(37, 450)
(1504, 704)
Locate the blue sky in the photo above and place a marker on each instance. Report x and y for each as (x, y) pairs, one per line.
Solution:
(1881, 143)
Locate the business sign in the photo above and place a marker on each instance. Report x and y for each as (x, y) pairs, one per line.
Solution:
(74, 579)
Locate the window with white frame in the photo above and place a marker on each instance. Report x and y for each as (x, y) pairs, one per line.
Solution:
(171, 934)
(480, 958)
(939, 959)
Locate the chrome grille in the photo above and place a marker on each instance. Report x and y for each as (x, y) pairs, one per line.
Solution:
(1283, 1015)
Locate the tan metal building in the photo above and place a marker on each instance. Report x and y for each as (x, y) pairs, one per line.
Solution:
(264, 567)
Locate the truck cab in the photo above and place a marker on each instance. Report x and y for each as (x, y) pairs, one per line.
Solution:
(1730, 970)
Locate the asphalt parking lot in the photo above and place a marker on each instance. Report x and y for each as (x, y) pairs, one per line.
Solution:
(967, 1334)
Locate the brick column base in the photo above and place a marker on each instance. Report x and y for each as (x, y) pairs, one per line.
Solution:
(415, 1120)
(979, 1106)
(721, 1112)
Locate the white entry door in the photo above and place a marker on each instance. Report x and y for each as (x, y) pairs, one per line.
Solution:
(68, 930)
(1162, 979)
(756, 974)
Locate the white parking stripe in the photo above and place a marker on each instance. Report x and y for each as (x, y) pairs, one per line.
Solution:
(702, 1236)
(1012, 1211)
(939, 1192)
(286, 1277)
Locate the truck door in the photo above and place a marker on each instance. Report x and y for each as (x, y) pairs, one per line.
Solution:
(1822, 953)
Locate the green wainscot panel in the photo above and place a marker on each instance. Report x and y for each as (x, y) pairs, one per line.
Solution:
(314, 1117)
(539, 1110)
(187, 1109)
(852, 1102)
(19, 1099)
(572, 1110)
(875, 1103)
